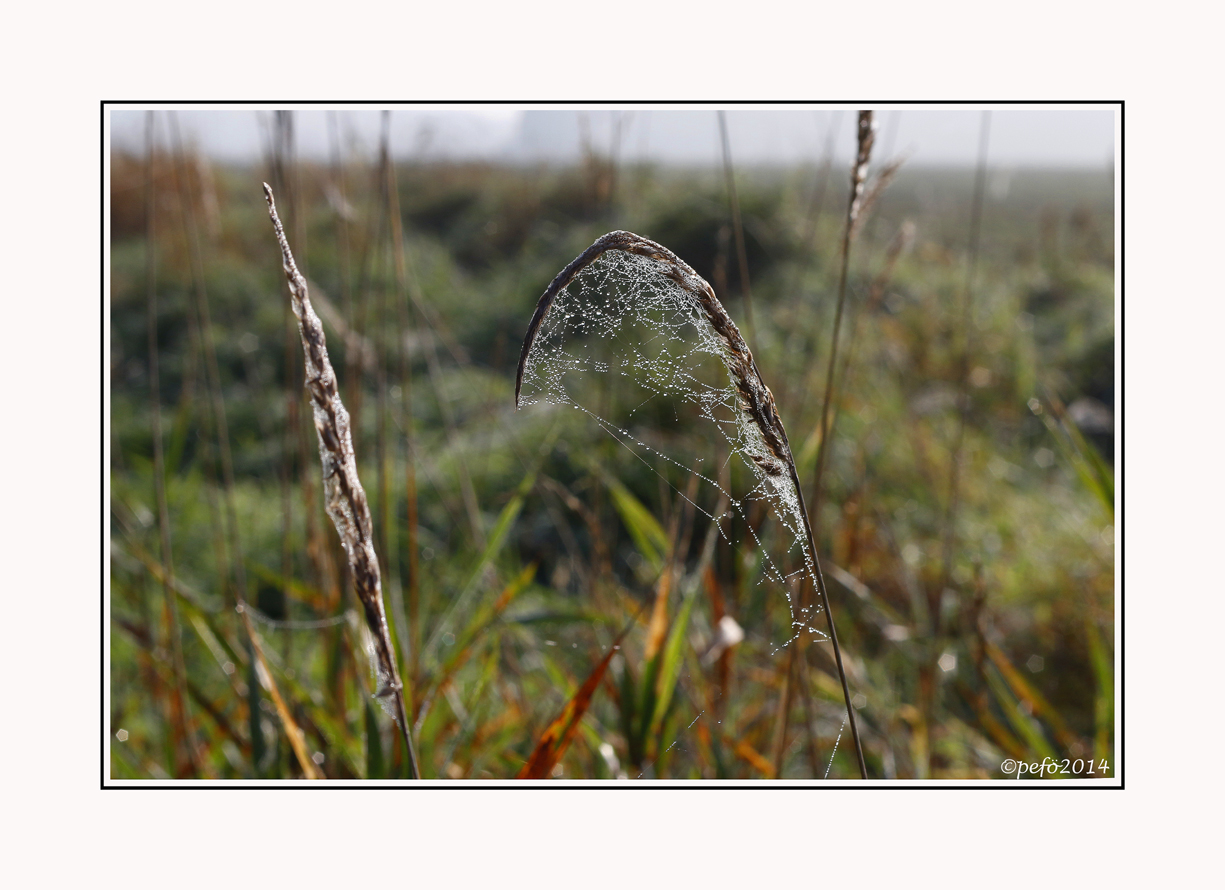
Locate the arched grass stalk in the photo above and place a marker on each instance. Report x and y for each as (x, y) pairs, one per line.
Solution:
(345, 498)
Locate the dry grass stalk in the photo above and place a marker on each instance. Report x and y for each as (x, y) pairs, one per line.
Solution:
(879, 184)
(901, 243)
(856, 206)
(345, 498)
(755, 398)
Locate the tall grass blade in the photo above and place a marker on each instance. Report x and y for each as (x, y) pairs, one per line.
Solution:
(297, 740)
(669, 669)
(465, 643)
(1034, 700)
(737, 226)
(179, 721)
(1103, 699)
(497, 538)
(1022, 722)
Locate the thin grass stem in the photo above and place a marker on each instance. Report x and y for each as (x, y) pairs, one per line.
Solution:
(179, 718)
(963, 369)
(859, 173)
(742, 256)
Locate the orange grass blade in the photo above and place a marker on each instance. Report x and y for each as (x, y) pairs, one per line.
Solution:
(293, 732)
(1022, 689)
(556, 738)
(754, 758)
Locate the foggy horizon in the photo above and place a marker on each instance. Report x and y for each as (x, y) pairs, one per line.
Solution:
(1056, 138)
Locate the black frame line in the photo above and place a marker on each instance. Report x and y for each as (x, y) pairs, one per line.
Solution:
(595, 784)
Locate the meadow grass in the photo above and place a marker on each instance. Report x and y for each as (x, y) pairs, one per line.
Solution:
(520, 547)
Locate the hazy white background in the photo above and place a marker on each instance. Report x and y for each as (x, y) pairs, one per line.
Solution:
(1048, 137)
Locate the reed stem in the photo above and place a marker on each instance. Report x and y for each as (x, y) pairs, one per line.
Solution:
(344, 496)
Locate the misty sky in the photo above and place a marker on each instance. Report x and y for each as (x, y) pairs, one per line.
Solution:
(1045, 137)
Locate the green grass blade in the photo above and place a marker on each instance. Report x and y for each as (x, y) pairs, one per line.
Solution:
(669, 670)
(648, 535)
(497, 539)
(1025, 726)
(1103, 700)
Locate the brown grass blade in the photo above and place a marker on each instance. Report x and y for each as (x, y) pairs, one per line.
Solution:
(556, 737)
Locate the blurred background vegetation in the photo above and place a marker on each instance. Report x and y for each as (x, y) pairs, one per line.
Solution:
(966, 528)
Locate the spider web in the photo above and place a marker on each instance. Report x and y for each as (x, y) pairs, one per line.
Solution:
(623, 318)
(635, 350)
